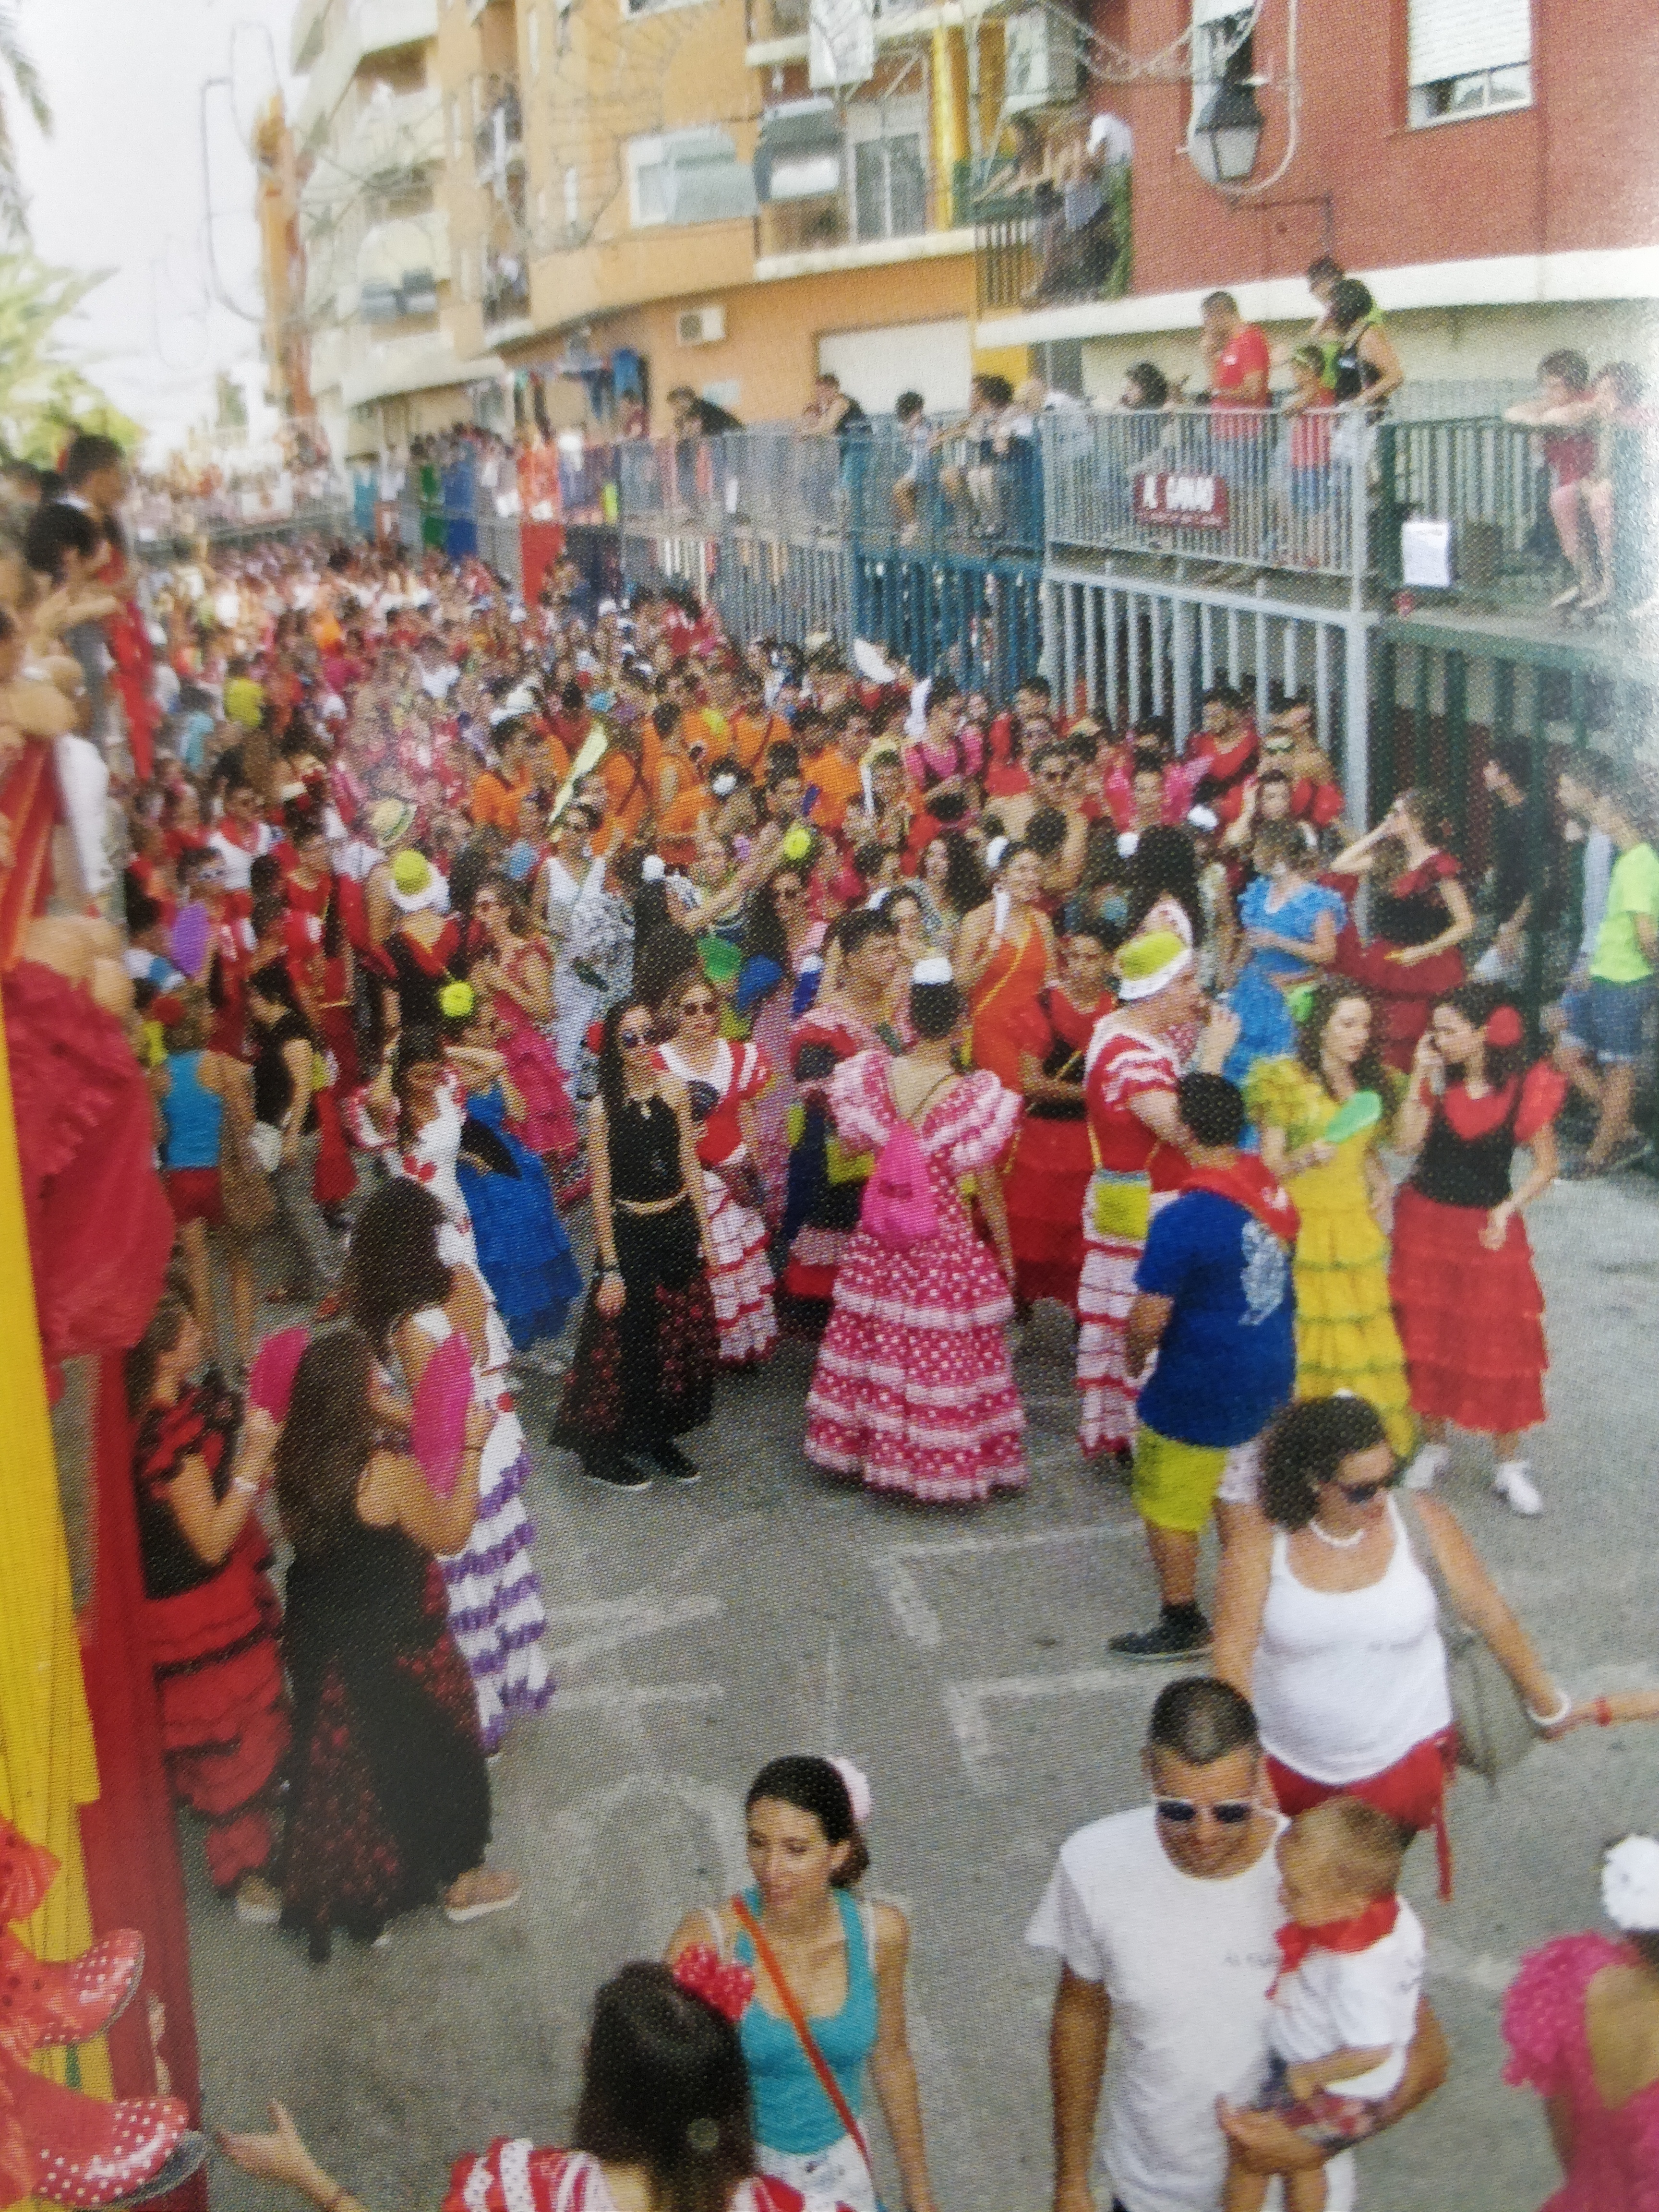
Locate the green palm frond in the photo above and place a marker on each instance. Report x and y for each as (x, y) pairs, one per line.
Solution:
(16, 63)
(44, 393)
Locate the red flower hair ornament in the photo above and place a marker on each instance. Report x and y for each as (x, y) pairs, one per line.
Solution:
(701, 1972)
(1503, 1028)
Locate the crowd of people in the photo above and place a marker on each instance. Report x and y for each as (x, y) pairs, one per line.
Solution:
(465, 938)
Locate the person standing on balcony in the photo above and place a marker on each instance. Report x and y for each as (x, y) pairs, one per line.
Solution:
(1365, 366)
(1564, 411)
(696, 418)
(831, 412)
(1235, 363)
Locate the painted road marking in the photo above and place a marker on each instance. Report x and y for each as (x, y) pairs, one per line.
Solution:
(916, 1618)
(625, 1622)
(604, 1697)
(967, 1706)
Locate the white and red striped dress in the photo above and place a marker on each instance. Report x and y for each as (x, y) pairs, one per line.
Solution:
(741, 1280)
(516, 2176)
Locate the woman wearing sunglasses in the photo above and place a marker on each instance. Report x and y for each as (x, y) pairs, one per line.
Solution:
(723, 1079)
(643, 1371)
(1328, 1621)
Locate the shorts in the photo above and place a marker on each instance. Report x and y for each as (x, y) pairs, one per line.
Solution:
(1327, 2117)
(1606, 1018)
(840, 2175)
(194, 1195)
(1175, 1483)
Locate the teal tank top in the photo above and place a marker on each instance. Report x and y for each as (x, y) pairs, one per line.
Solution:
(193, 1114)
(791, 2113)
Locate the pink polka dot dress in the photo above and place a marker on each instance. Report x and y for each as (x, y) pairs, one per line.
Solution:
(913, 1392)
(1615, 2153)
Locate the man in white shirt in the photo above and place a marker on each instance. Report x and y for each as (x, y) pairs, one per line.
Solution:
(1164, 1920)
(242, 837)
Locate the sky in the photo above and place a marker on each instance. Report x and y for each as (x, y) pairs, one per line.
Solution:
(119, 185)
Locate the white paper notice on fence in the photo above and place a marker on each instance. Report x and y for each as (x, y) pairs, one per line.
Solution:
(731, 495)
(506, 503)
(1426, 554)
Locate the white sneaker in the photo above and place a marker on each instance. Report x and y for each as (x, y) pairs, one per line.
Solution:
(1430, 1464)
(1517, 1487)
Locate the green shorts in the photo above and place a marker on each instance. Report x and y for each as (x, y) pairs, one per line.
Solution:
(1176, 1484)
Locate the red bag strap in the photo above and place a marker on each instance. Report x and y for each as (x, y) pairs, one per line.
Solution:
(797, 2020)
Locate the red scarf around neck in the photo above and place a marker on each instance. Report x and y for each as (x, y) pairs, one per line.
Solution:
(1249, 1183)
(1358, 1934)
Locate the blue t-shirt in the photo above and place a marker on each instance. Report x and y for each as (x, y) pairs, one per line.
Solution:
(1227, 1360)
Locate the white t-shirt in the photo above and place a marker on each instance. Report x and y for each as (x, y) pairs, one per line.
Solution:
(238, 858)
(1187, 1965)
(1354, 2000)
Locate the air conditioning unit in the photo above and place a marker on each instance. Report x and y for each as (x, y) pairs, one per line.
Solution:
(700, 326)
(1042, 65)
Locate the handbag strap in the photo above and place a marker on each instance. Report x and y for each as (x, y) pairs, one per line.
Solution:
(797, 2020)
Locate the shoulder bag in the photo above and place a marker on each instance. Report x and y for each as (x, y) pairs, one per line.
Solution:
(1494, 1730)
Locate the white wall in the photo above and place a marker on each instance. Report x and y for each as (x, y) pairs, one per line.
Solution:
(935, 359)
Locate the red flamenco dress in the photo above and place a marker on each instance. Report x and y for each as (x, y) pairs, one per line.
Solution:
(913, 1391)
(1412, 911)
(517, 2177)
(741, 1283)
(549, 1123)
(1048, 1176)
(212, 1634)
(1471, 1320)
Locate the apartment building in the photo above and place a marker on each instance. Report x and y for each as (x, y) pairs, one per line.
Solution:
(1475, 162)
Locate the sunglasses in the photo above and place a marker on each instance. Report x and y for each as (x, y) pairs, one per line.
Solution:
(633, 1040)
(787, 891)
(1361, 1493)
(699, 1006)
(1182, 1812)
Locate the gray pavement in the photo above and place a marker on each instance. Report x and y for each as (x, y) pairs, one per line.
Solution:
(962, 1660)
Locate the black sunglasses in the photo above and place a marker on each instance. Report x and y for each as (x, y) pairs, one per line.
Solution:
(1182, 1812)
(1361, 1493)
(631, 1040)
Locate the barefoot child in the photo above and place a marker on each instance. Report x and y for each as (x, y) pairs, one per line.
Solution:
(1344, 2002)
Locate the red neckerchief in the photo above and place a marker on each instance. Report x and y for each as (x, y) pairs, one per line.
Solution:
(1249, 1183)
(1358, 1934)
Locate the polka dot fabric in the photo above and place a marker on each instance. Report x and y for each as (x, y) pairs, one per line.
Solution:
(1615, 2155)
(913, 1392)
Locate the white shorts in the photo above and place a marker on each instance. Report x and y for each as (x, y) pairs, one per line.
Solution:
(839, 2175)
(1241, 1478)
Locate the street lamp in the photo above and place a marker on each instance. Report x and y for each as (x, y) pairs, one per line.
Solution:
(1227, 137)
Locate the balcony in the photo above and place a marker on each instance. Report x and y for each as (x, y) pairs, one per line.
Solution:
(1047, 240)
(498, 138)
(373, 27)
(850, 187)
(506, 290)
(394, 137)
(779, 31)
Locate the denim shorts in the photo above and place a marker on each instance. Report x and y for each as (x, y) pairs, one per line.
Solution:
(1606, 1018)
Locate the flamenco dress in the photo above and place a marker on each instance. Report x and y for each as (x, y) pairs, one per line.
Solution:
(1002, 997)
(495, 1612)
(515, 2176)
(1413, 911)
(1471, 1320)
(523, 1254)
(913, 1392)
(549, 1122)
(1613, 2165)
(389, 1795)
(1346, 1338)
(741, 1283)
(645, 1376)
(432, 1159)
(1267, 1028)
(1049, 1174)
(826, 1175)
(212, 1635)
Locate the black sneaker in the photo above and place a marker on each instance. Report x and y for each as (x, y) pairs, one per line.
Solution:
(612, 1472)
(673, 1464)
(1170, 1640)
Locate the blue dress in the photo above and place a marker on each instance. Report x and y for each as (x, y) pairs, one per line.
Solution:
(1268, 1030)
(523, 1254)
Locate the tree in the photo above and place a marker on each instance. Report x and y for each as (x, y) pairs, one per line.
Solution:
(45, 395)
(16, 63)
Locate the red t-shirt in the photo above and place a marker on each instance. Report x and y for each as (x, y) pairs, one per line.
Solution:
(1245, 352)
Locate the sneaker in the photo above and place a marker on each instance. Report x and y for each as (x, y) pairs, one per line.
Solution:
(1167, 1641)
(671, 1462)
(258, 1905)
(1430, 1463)
(1515, 1486)
(612, 1472)
(486, 1892)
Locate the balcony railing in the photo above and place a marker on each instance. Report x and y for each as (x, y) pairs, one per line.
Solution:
(1047, 244)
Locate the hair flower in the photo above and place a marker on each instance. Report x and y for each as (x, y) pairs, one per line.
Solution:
(1503, 1028)
(1629, 1885)
(858, 1783)
(701, 1972)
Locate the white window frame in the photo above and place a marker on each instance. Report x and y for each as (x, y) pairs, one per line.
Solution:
(871, 122)
(1474, 55)
(1212, 42)
(644, 154)
(532, 39)
(573, 199)
(635, 11)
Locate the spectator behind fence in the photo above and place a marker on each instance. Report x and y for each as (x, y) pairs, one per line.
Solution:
(694, 417)
(1562, 410)
(910, 413)
(1236, 363)
(1362, 363)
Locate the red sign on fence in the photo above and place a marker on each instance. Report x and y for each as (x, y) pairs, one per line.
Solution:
(1182, 499)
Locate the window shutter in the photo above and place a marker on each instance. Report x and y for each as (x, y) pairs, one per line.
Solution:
(1456, 37)
(1216, 11)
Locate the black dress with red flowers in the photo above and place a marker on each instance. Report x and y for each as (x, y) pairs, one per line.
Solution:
(389, 1799)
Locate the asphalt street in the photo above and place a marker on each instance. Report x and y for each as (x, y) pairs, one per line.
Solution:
(961, 1658)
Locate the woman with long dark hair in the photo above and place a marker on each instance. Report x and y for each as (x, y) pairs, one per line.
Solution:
(285, 1109)
(662, 2120)
(1470, 1310)
(515, 973)
(211, 1617)
(408, 1302)
(1162, 887)
(642, 1373)
(1419, 917)
(779, 936)
(389, 1795)
(1346, 1338)
(829, 1965)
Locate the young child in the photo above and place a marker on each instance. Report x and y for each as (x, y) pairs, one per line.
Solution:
(1344, 2001)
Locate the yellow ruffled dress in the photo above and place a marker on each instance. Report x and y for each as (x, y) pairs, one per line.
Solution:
(1346, 1338)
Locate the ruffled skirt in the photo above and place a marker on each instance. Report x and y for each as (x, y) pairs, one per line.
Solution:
(495, 1612)
(1345, 1337)
(1471, 1322)
(741, 1283)
(913, 1392)
(1043, 1195)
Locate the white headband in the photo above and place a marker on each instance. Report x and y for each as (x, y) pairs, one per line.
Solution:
(936, 969)
(1147, 986)
(653, 868)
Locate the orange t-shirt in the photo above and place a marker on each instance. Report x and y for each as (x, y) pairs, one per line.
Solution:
(496, 802)
(630, 789)
(753, 737)
(839, 784)
(676, 822)
(705, 733)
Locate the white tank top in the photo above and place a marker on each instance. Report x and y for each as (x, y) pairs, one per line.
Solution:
(1347, 1681)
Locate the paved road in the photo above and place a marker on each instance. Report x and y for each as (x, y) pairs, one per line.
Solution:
(962, 1661)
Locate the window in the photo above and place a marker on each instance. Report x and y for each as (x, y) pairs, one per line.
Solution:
(454, 125)
(887, 171)
(1221, 33)
(1468, 57)
(687, 176)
